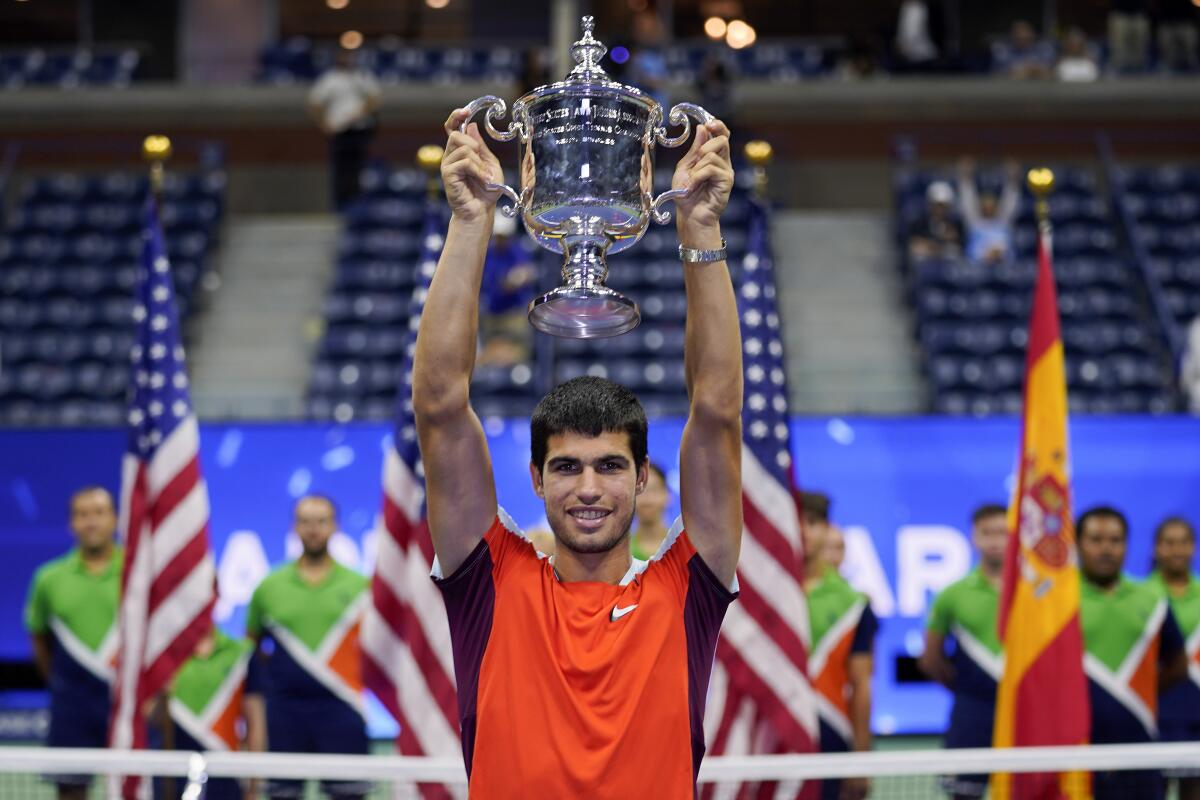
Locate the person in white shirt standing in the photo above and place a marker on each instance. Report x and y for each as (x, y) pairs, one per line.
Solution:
(343, 102)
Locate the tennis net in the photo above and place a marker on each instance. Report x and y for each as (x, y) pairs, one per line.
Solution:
(30, 773)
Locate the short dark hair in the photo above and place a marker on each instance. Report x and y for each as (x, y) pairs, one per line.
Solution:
(1097, 512)
(323, 498)
(590, 406)
(987, 510)
(1174, 520)
(81, 491)
(815, 504)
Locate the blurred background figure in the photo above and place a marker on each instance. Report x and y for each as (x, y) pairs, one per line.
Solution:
(651, 527)
(1076, 61)
(841, 661)
(1128, 36)
(988, 219)
(939, 233)
(647, 64)
(344, 102)
(1118, 617)
(214, 703)
(834, 551)
(71, 617)
(1175, 580)
(1023, 55)
(1190, 372)
(914, 42)
(509, 275)
(966, 611)
(314, 703)
(1176, 21)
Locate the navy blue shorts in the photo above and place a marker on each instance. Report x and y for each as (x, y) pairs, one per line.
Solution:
(315, 725)
(82, 724)
(971, 722)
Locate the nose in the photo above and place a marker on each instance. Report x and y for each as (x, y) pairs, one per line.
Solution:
(588, 491)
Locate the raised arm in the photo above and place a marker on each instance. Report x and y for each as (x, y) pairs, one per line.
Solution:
(710, 455)
(460, 489)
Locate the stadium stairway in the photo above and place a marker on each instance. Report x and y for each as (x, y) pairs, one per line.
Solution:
(847, 339)
(255, 342)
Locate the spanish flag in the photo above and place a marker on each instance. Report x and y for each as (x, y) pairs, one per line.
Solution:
(1043, 695)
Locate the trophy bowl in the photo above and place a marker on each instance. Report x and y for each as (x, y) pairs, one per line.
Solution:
(586, 148)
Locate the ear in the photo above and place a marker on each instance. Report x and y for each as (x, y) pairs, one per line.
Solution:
(535, 476)
(643, 475)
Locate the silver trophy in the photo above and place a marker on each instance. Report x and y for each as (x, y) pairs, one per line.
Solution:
(587, 170)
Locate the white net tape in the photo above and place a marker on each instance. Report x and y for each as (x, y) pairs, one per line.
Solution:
(28, 772)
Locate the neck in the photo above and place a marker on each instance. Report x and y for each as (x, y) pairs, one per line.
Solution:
(993, 572)
(315, 564)
(651, 531)
(608, 567)
(1176, 579)
(814, 568)
(96, 556)
(1104, 584)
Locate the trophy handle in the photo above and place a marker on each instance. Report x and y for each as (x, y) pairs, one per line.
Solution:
(496, 108)
(679, 115)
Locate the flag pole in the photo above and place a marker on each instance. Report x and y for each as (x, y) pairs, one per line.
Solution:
(429, 159)
(1041, 183)
(759, 153)
(156, 149)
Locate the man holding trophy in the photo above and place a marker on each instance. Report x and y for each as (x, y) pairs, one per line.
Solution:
(583, 675)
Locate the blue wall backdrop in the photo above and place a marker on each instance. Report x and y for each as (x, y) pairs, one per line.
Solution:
(903, 491)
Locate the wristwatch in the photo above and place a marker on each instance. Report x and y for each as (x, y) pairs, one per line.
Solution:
(689, 255)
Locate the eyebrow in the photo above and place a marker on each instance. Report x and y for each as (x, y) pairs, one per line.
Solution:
(557, 460)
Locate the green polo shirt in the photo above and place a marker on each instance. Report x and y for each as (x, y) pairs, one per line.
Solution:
(1113, 621)
(829, 599)
(970, 604)
(200, 678)
(85, 603)
(1185, 607)
(305, 610)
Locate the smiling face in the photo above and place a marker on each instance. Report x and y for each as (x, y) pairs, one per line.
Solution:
(589, 485)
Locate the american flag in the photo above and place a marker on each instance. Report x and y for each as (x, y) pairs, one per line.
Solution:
(167, 590)
(761, 700)
(405, 641)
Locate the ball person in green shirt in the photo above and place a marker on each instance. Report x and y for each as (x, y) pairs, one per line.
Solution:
(965, 611)
(71, 616)
(1173, 579)
(1133, 650)
(651, 528)
(306, 616)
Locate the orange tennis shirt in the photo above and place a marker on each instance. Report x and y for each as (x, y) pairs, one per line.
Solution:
(581, 689)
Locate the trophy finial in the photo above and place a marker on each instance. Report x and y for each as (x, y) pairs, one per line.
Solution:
(588, 51)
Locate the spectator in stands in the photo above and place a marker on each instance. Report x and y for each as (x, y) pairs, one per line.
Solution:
(1128, 36)
(651, 529)
(716, 87)
(916, 50)
(344, 102)
(843, 626)
(1174, 580)
(1190, 372)
(966, 611)
(509, 273)
(1177, 38)
(303, 616)
(1076, 63)
(988, 218)
(1118, 618)
(1023, 55)
(71, 617)
(938, 234)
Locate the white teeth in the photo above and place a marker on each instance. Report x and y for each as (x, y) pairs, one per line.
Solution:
(589, 514)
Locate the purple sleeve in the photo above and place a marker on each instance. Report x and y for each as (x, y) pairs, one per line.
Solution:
(703, 611)
(470, 597)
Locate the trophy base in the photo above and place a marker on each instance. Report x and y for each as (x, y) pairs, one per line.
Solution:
(576, 312)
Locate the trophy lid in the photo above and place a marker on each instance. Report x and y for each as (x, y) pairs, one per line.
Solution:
(588, 76)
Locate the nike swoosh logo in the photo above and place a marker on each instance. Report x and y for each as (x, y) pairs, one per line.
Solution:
(619, 612)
